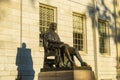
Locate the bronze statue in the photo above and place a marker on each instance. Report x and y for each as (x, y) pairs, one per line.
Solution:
(52, 41)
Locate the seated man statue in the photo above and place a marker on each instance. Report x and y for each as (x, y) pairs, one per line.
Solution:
(54, 42)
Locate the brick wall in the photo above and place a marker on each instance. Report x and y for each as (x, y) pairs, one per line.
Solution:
(19, 23)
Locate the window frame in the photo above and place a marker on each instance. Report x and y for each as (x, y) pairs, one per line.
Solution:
(84, 31)
(107, 37)
(54, 20)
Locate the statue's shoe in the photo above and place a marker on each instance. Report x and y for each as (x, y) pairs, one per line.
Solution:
(85, 64)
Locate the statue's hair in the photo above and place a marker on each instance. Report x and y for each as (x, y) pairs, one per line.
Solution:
(51, 24)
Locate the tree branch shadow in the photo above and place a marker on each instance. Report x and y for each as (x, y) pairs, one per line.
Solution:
(2, 10)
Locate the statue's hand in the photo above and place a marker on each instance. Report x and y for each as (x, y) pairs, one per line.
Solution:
(61, 45)
(61, 42)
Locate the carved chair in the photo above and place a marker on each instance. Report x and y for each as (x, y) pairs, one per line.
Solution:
(51, 56)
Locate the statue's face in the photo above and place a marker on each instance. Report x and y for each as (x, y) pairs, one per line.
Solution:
(54, 27)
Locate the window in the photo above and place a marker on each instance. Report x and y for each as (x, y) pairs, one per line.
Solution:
(47, 15)
(79, 36)
(103, 36)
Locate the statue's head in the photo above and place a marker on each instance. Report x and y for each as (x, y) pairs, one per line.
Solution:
(23, 45)
(53, 26)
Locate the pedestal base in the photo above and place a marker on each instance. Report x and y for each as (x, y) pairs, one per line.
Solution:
(73, 74)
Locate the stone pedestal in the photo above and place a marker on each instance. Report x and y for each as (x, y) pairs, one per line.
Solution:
(66, 74)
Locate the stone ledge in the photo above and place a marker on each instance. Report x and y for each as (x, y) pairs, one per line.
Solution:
(78, 73)
(66, 68)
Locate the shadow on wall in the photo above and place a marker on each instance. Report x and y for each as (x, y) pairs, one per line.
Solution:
(24, 63)
(3, 3)
(108, 15)
(32, 3)
(2, 9)
(112, 15)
